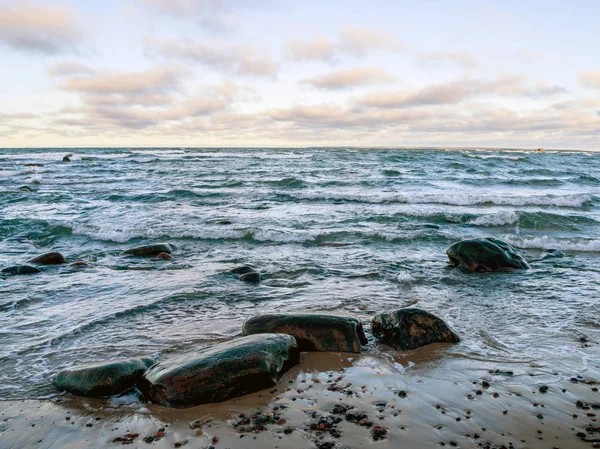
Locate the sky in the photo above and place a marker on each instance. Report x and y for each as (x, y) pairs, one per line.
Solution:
(461, 73)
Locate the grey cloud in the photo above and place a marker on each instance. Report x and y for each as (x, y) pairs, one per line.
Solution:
(69, 68)
(343, 79)
(239, 59)
(38, 28)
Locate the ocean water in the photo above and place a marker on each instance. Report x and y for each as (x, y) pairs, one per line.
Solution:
(335, 230)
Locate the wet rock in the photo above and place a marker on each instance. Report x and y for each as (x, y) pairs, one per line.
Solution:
(49, 259)
(252, 277)
(313, 332)
(66, 159)
(551, 254)
(78, 264)
(243, 269)
(486, 254)
(21, 269)
(165, 256)
(104, 378)
(25, 189)
(223, 371)
(33, 165)
(149, 250)
(411, 328)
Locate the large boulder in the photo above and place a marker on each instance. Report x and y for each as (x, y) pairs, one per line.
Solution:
(486, 254)
(48, 259)
(313, 332)
(223, 371)
(411, 328)
(149, 250)
(103, 379)
(21, 269)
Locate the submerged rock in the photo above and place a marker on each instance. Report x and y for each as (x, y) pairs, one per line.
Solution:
(21, 269)
(48, 259)
(223, 371)
(243, 269)
(78, 264)
(486, 254)
(149, 250)
(551, 254)
(165, 256)
(252, 276)
(411, 328)
(25, 189)
(312, 332)
(33, 165)
(103, 379)
(66, 159)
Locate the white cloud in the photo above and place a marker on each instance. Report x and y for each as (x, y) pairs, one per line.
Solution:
(343, 79)
(239, 59)
(317, 48)
(38, 28)
(440, 58)
(69, 68)
(360, 41)
(590, 78)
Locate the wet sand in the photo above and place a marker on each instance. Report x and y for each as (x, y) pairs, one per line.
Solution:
(336, 400)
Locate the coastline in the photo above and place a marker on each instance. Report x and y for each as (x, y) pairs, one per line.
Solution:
(433, 403)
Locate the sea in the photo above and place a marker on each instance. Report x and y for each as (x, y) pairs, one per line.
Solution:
(336, 230)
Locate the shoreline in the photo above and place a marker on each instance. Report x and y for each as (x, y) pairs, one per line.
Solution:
(418, 407)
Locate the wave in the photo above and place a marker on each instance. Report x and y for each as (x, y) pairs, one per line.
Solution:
(453, 199)
(545, 242)
(532, 220)
(287, 182)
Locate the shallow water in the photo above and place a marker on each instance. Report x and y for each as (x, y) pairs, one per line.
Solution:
(390, 215)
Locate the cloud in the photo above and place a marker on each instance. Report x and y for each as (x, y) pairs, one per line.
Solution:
(239, 59)
(458, 91)
(17, 116)
(440, 58)
(149, 81)
(351, 78)
(316, 49)
(69, 68)
(590, 78)
(359, 41)
(38, 28)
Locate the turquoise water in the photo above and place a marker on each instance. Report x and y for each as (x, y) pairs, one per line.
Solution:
(340, 230)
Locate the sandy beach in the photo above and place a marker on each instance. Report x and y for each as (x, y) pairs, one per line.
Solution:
(337, 400)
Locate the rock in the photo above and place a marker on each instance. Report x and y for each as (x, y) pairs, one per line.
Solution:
(411, 328)
(165, 256)
(21, 269)
(253, 276)
(66, 159)
(48, 259)
(33, 165)
(487, 254)
(103, 379)
(25, 189)
(312, 332)
(243, 269)
(551, 254)
(223, 371)
(36, 182)
(78, 264)
(149, 250)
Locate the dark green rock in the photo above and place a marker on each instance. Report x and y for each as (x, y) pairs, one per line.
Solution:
(21, 269)
(252, 276)
(411, 328)
(48, 259)
(486, 254)
(103, 379)
(66, 159)
(149, 250)
(223, 371)
(313, 332)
